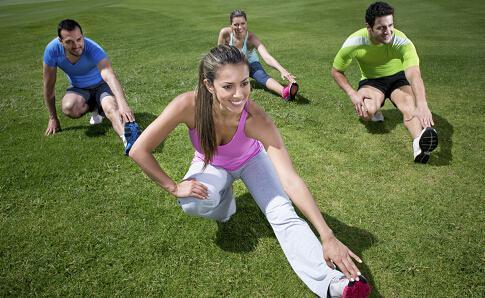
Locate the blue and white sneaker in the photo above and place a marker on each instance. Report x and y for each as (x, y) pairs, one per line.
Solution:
(426, 142)
(132, 132)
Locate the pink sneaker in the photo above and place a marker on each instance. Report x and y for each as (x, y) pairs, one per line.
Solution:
(357, 289)
(290, 91)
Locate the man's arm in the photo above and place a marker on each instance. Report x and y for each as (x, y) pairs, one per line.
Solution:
(356, 98)
(49, 77)
(108, 75)
(413, 75)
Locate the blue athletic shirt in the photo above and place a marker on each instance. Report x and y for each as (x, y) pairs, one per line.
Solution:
(84, 72)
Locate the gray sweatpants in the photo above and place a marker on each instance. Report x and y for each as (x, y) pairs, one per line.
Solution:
(301, 247)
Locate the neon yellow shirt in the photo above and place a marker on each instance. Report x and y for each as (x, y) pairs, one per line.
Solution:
(376, 61)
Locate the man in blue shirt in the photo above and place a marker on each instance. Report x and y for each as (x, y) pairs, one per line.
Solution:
(94, 86)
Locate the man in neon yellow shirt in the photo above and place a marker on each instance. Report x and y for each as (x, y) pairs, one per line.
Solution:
(390, 69)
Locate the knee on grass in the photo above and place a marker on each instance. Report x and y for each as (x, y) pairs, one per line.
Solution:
(371, 108)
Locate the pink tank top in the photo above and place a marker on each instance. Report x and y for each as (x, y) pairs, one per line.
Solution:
(233, 155)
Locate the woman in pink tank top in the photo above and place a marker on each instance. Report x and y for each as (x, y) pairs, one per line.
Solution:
(235, 139)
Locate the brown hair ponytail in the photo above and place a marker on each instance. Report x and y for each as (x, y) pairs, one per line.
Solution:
(204, 122)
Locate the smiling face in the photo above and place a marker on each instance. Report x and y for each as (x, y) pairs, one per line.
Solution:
(383, 30)
(73, 41)
(230, 88)
(239, 25)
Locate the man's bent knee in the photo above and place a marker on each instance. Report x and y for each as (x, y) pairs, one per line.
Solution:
(372, 106)
(74, 108)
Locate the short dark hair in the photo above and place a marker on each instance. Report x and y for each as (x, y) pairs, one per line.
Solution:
(377, 9)
(237, 13)
(68, 25)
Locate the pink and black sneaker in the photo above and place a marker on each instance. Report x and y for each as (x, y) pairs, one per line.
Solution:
(357, 289)
(290, 91)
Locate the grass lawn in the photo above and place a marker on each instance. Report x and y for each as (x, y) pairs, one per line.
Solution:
(79, 218)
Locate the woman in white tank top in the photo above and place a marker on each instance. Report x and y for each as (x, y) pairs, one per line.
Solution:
(237, 35)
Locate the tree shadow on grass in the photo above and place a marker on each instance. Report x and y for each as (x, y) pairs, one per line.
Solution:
(242, 232)
(442, 156)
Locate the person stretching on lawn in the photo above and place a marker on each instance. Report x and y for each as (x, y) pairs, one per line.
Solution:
(235, 139)
(93, 83)
(238, 35)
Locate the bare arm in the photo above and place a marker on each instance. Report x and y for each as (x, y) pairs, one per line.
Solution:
(223, 34)
(49, 77)
(413, 75)
(108, 75)
(270, 60)
(178, 111)
(264, 129)
(356, 98)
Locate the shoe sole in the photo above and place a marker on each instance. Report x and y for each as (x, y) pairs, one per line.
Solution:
(293, 90)
(427, 143)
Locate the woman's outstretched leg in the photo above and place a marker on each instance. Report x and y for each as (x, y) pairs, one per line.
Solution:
(300, 245)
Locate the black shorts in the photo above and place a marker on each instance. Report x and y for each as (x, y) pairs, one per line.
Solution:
(93, 95)
(386, 84)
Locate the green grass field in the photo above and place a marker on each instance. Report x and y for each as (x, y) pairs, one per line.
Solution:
(79, 218)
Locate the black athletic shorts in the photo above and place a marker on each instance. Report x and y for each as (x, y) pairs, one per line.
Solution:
(386, 84)
(93, 95)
